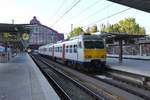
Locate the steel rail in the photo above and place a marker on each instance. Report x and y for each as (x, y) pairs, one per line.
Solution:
(61, 91)
(96, 96)
(128, 90)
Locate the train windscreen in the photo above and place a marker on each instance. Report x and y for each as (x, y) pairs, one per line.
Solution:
(93, 44)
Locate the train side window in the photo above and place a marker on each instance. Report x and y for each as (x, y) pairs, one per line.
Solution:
(60, 49)
(80, 45)
(75, 48)
(67, 49)
(70, 48)
(44, 49)
(55, 49)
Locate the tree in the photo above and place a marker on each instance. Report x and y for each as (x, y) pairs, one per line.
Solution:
(115, 27)
(102, 27)
(128, 25)
(109, 29)
(94, 29)
(76, 31)
(88, 30)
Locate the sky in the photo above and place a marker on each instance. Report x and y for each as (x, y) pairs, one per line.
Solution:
(85, 14)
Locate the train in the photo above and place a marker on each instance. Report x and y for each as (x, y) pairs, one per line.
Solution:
(29, 50)
(84, 51)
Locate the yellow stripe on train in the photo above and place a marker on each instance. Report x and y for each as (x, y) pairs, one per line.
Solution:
(94, 53)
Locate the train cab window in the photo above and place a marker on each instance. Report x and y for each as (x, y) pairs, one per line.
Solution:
(67, 49)
(94, 44)
(70, 48)
(75, 48)
(80, 45)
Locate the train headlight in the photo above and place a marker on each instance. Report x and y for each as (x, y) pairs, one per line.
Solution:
(88, 57)
(103, 56)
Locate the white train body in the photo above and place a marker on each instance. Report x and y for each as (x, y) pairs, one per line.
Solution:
(83, 50)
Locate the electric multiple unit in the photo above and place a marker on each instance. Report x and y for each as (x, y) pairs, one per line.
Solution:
(85, 51)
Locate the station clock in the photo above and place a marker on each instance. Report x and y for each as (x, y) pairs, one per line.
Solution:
(25, 36)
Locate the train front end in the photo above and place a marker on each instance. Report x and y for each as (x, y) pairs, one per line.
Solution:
(94, 52)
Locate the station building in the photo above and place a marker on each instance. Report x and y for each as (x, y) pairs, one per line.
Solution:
(41, 34)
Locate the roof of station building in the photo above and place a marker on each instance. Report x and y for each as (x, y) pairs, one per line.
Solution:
(36, 21)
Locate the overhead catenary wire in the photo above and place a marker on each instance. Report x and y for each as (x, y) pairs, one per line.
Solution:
(107, 17)
(60, 6)
(87, 8)
(92, 5)
(102, 9)
(66, 12)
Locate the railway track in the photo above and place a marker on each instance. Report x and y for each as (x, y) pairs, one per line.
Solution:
(60, 91)
(101, 90)
(140, 81)
(125, 86)
(133, 83)
(60, 80)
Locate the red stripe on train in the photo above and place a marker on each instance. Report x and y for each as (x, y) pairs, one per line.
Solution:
(53, 51)
(63, 52)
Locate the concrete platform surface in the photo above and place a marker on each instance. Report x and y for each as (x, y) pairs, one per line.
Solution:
(129, 65)
(138, 57)
(20, 79)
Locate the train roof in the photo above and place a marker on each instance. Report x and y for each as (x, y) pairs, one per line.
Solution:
(86, 36)
(82, 37)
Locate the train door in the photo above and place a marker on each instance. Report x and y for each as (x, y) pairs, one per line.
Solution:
(79, 51)
(63, 52)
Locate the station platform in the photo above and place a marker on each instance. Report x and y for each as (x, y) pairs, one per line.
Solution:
(137, 57)
(21, 79)
(139, 67)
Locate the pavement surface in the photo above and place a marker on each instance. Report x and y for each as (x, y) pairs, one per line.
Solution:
(137, 57)
(20, 79)
(140, 67)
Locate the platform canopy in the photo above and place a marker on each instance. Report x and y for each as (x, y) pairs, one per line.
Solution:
(13, 28)
(137, 4)
(119, 35)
